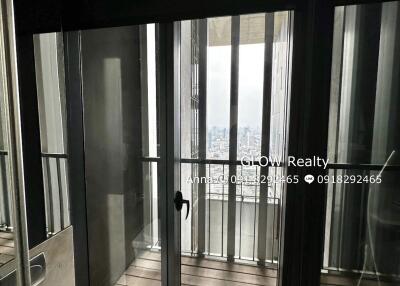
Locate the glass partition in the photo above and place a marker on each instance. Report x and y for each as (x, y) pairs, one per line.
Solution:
(50, 83)
(234, 95)
(7, 249)
(122, 147)
(362, 233)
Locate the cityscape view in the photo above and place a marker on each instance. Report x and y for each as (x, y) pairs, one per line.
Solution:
(248, 144)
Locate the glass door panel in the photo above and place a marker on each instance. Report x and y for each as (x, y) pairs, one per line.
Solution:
(119, 79)
(11, 261)
(122, 154)
(234, 94)
(362, 241)
(50, 82)
(152, 128)
(7, 233)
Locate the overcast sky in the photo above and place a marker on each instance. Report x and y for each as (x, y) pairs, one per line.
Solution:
(251, 64)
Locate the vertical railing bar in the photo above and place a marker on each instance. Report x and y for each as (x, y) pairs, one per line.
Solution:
(150, 171)
(339, 194)
(60, 194)
(278, 223)
(50, 196)
(201, 90)
(363, 189)
(273, 185)
(265, 134)
(240, 213)
(336, 98)
(2, 219)
(339, 250)
(233, 118)
(223, 202)
(144, 82)
(191, 216)
(255, 214)
(7, 214)
(333, 221)
(209, 211)
(274, 222)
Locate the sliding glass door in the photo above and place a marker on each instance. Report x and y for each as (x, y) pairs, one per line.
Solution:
(173, 116)
(362, 216)
(159, 150)
(157, 154)
(234, 101)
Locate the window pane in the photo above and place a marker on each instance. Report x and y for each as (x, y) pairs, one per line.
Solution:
(218, 87)
(362, 219)
(50, 82)
(234, 52)
(123, 175)
(7, 249)
(251, 76)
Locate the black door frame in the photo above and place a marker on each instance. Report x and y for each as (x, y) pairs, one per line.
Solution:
(304, 204)
(303, 213)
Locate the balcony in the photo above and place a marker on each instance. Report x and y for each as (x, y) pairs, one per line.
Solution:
(211, 266)
(145, 270)
(212, 220)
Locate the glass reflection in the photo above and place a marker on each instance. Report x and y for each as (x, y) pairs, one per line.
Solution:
(363, 220)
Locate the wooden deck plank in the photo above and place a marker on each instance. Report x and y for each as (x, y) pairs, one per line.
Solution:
(196, 271)
(214, 264)
(153, 267)
(149, 264)
(6, 250)
(200, 281)
(337, 280)
(4, 258)
(7, 235)
(128, 280)
(150, 255)
(203, 278)
(6, 242)
(233, 267)
(228, 275)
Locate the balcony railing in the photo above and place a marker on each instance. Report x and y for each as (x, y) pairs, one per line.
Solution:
(5, 203)
(213, 234)
(56, 192)
(350, 244)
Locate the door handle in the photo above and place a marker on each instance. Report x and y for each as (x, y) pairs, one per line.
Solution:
(179, 201)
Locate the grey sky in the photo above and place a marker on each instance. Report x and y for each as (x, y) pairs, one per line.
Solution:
(251, 63)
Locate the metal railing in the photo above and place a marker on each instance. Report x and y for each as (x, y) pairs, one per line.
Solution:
(247, 211)
(341, 198)
(5, 203)
(56, 184)
(56, 191)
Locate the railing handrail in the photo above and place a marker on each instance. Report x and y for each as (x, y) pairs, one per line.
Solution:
(54, 155)
(43, 154)
(213, 161)
(366, 167)
(330, 166)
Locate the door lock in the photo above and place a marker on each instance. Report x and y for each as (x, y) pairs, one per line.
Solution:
(179, 201)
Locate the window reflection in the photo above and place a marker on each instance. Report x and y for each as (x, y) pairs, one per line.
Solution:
(362, 223)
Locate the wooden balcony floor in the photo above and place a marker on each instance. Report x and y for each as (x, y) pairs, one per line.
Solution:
(6, 247)
(145, 270)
